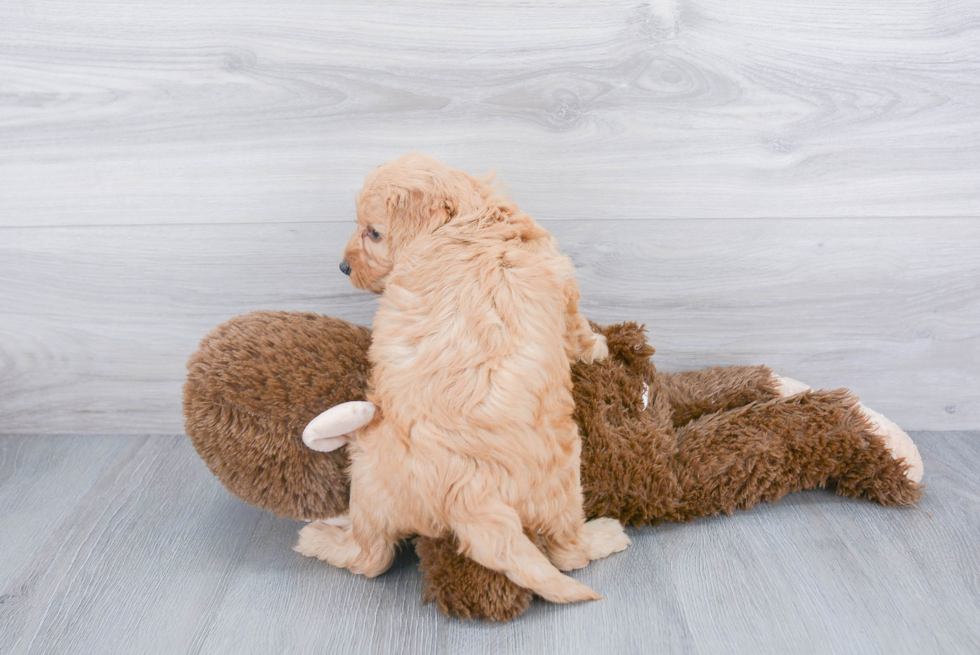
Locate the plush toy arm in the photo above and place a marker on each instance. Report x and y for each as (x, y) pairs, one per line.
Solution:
(332, 429)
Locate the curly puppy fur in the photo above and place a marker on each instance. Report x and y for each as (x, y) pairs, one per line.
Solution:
(471, 351)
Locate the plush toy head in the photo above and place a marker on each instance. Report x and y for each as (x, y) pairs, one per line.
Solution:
(251, 389)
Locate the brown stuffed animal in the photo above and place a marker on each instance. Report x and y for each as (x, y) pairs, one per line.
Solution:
(655, 447)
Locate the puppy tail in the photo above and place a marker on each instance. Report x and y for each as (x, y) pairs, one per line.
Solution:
(492, 535)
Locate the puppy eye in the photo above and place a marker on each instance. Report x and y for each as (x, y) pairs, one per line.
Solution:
(374, 234)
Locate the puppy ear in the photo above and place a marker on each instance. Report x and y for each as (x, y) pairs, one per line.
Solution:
(413, 211)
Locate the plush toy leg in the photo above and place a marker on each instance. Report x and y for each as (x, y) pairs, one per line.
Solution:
(786, 387)
(761, 452)
(897, 441)
(463, 588)
(693, 394)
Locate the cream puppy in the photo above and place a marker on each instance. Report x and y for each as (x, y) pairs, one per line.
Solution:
(471, 352)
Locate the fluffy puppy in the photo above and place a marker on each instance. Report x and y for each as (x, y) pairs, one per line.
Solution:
(471, 353)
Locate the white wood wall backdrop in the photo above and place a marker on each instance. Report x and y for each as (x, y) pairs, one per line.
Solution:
(103, 318)
(164, 166)
(127, 111)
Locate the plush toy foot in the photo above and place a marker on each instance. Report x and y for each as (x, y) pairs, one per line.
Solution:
(786, 387)
(334, 427)
(461, 587)
(898, 443)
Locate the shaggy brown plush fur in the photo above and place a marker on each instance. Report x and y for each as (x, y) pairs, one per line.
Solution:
(253, 385)
(709, 442)
(461, 587)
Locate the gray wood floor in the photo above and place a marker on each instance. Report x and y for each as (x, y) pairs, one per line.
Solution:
(113, 544)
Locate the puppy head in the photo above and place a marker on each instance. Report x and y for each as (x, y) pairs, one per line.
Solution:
(402, 200)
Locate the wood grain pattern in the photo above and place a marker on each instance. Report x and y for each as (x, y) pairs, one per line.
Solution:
(98, 322)
(122, 112)
(154, 556)
(40, 487)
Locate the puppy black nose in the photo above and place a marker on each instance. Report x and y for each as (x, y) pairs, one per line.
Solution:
(345, 267)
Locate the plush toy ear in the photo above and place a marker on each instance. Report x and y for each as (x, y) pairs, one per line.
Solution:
(334, 427)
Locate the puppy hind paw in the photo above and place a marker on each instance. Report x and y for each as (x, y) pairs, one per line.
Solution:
(330, 543)
(605, 536)
(569, 560)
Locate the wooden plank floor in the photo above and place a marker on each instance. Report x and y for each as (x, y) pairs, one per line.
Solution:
(114, 544)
